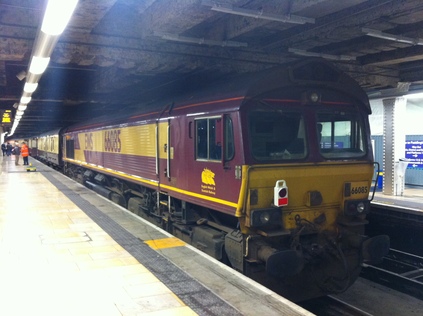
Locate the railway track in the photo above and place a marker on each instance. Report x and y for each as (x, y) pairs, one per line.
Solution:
(332, 306)
(400, 271)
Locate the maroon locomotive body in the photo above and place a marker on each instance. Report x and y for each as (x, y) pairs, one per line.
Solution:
(269, 173)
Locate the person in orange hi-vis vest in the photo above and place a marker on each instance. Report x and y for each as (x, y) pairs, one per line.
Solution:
(25, 153)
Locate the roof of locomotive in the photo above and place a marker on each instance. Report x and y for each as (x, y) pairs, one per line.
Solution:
(50, 133)
(230, 93)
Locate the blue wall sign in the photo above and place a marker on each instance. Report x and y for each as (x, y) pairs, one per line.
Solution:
(414, 152)
(335, 145)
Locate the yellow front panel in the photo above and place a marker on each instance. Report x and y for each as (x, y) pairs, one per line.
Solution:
(328, 179)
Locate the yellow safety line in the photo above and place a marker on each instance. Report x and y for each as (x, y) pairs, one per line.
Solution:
(165, 243)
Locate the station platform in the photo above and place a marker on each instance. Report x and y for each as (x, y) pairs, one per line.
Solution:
(64, 250)
(411, 201)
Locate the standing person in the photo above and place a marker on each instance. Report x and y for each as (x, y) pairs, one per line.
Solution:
(4, 148)
(17, 152)
(9, 148)
(25, 153)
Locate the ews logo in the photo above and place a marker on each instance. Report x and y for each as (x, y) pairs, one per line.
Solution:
(89, 145)
(112, 141)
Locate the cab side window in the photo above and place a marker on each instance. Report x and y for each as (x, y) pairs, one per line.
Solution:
(229, 139)
(208, 133)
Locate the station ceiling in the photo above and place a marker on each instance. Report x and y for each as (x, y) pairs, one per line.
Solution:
(115, 53)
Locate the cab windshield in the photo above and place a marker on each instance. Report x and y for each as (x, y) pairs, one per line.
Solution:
(277, 135)
(281, 134)
(340, 135)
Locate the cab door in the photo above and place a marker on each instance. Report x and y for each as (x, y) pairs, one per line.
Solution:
(164, 154)
(169, 151)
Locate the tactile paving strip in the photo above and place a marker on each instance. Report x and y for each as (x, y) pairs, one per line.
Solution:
(191, 292)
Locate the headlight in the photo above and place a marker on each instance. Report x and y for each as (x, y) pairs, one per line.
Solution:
(266, 217)
(353, 208)
(361, 207)
(314, 97)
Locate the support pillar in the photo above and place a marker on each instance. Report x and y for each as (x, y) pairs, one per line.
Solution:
(393, 144)
(1, 135)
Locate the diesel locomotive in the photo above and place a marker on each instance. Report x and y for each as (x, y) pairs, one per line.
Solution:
(269, 172)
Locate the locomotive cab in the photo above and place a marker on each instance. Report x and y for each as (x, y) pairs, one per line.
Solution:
(319, 148)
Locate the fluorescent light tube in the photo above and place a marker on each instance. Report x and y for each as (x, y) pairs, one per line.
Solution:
(25, 100)
(30, 87)
(57, 16)
(22, 107)
(38, 65)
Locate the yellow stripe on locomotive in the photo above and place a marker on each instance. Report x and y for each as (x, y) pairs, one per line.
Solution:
(137, 140)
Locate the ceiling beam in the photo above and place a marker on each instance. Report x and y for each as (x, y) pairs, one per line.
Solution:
(165, 16)
(94, 50)
(411, 72)
(235, 26)
(371, 76)
(331, 27)
(393, 57)
(90, 13)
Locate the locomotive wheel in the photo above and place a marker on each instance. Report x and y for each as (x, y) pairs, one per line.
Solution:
(118, 199)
